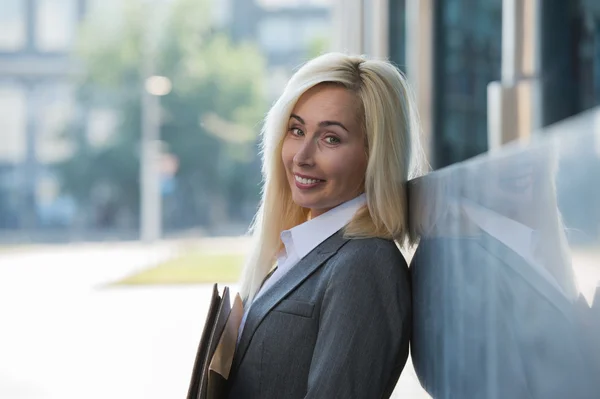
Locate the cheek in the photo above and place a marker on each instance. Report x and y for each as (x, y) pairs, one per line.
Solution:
(349, 167)
(358, 162)
(287, 153)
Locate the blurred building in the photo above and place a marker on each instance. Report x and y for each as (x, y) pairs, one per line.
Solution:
(287, 31)
(545, 60)
(36, 98)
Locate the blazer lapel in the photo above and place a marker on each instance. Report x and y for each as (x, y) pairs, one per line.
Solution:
(298, 274)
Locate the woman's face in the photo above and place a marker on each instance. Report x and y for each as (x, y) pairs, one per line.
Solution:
(324, 150)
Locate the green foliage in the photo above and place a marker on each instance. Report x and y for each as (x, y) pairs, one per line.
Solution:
(210, 120)
(318, 46)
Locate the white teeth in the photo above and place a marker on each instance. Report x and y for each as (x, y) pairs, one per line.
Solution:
(306, 181)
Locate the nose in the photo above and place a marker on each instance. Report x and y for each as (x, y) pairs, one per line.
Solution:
(305, 154)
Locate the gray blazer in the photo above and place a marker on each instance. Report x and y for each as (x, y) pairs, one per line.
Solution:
(336, 325)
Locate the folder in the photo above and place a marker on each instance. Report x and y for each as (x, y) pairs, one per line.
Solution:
(216, 349)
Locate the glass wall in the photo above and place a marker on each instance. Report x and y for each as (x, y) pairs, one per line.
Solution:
(506, 276)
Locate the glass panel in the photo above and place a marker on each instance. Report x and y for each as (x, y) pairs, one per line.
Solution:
(506, 276)
(397, 33)
(470, 43)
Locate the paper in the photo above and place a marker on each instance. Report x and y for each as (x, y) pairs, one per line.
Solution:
(223, 356)
(194, 390)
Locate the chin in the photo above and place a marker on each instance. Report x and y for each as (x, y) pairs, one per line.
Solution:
(303, 202)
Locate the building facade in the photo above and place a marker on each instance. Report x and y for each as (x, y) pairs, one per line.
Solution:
(484, 72)
(288, 32)
(36, 98)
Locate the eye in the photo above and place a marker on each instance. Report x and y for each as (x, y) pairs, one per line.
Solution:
(332, 140)
(296, 131)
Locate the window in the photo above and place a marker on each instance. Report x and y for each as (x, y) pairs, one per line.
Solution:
(13, 124)
(53, 116)
(278, 34)
(56, 22)
(13, 34)
(470, 46)
(596, 62)
(397, 32)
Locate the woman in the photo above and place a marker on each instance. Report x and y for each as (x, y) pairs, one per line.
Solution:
(326, 290)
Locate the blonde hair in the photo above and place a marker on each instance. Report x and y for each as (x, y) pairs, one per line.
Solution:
(394, 156)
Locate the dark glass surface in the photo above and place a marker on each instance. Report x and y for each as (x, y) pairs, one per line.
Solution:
(397, 33)
(468, 57)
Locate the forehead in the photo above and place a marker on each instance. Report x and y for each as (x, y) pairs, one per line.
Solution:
(328, 102)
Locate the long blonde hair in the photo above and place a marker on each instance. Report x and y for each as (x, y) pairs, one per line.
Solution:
(394, 156)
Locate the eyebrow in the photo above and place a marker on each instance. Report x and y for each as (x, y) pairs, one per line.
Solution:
(321, 124)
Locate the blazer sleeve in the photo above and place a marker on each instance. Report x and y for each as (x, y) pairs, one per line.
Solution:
(362, 341)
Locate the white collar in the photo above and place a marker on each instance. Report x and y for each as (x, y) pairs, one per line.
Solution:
(307, 236)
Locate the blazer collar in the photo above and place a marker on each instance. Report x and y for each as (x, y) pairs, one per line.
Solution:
(292, 279)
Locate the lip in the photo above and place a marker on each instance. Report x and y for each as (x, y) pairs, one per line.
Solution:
(302, 186)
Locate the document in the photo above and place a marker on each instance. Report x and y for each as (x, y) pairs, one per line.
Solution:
(214, 356)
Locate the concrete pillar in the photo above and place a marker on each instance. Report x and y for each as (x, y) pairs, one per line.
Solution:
(348, 26)
(379, 27)
(514, 103)
(420, 48)
(361, 27)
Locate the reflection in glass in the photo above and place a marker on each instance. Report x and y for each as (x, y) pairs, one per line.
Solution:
(498, 307)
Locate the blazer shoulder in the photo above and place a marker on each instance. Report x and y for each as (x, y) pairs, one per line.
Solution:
(378, 247)
(371, 253)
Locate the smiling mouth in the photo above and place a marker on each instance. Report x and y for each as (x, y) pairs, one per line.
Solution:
(306, 181)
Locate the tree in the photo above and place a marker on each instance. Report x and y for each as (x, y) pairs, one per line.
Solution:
(210, 118)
